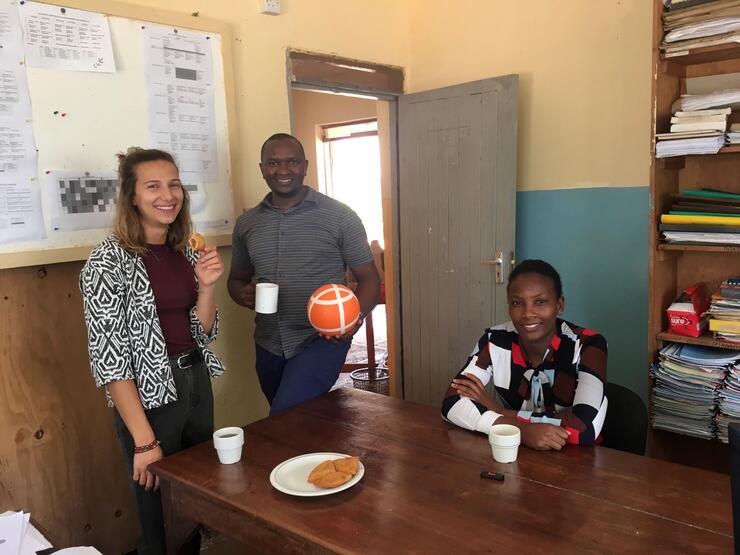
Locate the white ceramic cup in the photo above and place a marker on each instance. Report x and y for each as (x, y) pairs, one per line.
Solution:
(266, 297)
(228, 443)
(504, 440)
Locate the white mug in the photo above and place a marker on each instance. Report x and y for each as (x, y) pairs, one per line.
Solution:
(228, 443)
(266, 298)
(504, 440)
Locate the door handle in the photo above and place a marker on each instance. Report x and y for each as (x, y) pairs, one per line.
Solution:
(498, 266)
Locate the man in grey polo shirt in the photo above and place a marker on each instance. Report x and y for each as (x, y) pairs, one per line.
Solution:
(299, 239)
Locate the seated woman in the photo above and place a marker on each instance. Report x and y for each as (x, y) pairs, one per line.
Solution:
(549, 372)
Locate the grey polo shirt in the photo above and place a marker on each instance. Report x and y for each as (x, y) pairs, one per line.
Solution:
(300, 249)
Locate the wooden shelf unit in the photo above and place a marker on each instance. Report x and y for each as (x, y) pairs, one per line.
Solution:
(672, 268)
(699, 62)
(678, 162)
(728, 249)
(705, 340)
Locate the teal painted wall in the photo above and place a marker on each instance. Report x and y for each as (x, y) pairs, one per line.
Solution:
(597, 239)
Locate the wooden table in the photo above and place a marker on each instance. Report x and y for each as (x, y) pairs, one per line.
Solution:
(422, 493)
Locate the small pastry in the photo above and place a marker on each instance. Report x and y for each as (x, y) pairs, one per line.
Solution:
(197, 242)
(325, 467)
(347, 465)
(332, 479)
(332, 474)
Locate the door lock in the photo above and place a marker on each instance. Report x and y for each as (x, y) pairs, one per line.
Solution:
(498, 266)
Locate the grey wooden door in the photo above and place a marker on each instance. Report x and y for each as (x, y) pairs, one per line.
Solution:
(457, 195)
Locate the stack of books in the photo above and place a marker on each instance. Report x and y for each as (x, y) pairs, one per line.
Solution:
(694, 132)
(698, 123)
(673, 5)
(724, 312)
(695, 24)
(729, 402)
(702, 217)
(694, 142)
(733, 136)
(686, 388)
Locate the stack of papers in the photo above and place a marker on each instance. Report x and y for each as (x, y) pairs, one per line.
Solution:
(18, 536)
(729, 403)
(716, 99)
(702, 217)
(724, 311)
(681, 147)
(699, 123)
(686, 389)
(698, 129)
(697, 24)
(698, 238)
(733, 136)
(708, 28)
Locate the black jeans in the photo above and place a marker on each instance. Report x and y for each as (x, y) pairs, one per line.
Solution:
(178, 425)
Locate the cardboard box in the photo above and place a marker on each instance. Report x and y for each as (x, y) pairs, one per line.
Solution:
(685, 315)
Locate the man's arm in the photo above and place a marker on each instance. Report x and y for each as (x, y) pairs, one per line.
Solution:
(241, 287)
(368, 286)
(240, 284)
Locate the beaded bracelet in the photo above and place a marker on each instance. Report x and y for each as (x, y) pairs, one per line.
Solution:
(148, 447)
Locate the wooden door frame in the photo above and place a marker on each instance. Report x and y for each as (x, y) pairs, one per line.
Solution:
(345, 80)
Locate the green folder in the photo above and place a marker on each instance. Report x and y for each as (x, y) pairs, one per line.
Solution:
(709, 194)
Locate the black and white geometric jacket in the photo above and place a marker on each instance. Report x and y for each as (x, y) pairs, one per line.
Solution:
(124, 336)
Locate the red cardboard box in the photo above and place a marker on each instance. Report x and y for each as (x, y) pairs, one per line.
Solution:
(685, 313)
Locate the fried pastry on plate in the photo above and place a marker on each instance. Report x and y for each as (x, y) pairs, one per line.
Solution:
(334, 473)
(325, 467)
(348, 464)
(332, 479)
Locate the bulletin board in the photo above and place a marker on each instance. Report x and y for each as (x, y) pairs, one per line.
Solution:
(81, 119)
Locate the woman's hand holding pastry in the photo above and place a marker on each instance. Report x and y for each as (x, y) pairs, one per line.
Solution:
(209, 267)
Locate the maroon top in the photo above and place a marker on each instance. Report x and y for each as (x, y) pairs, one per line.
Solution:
(173, 282)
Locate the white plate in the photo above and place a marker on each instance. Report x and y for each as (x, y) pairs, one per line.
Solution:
(291, 476)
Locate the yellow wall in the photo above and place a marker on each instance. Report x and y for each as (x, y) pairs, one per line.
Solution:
(311, 109)
(584, 66)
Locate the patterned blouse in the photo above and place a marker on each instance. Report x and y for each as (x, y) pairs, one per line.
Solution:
(125, 339)
(567, 388)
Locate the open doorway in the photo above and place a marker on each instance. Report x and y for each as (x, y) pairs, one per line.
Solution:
(348, 156)
(340, 136)
(449, 235)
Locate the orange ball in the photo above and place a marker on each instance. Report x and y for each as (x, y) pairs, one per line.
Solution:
(333, 309)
